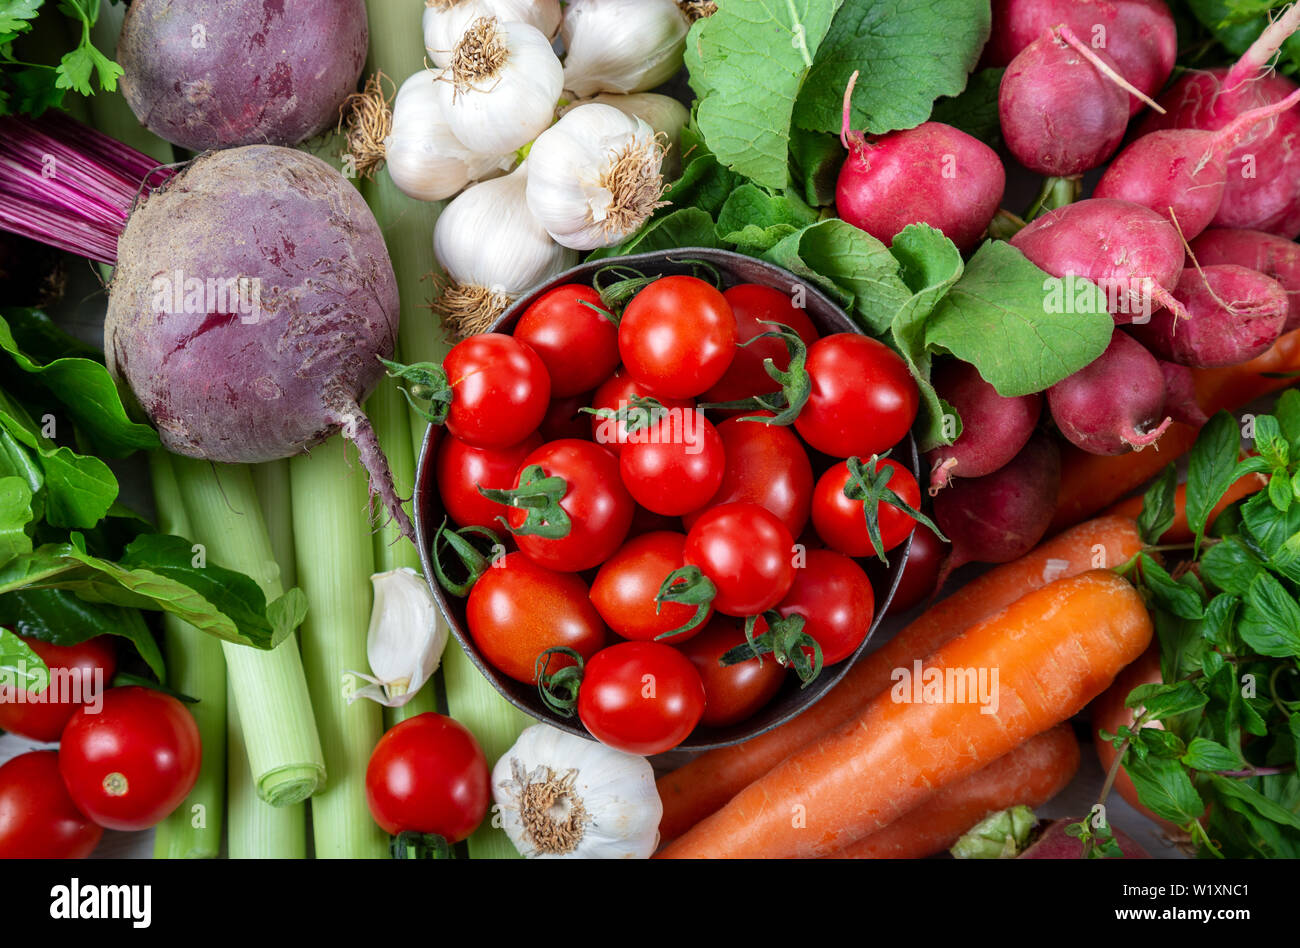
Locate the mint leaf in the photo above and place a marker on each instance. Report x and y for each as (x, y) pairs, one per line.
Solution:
(1204, 754)
(1270, 621)
(1165, 701)
(1217, 628)
(1237, 790)
(1287, 413)
(1210, 468)
(1230, 566)
(747, 62)
(1164, 788)
(907, 53)
(20, 665)
(1269, 527)
(1002, 317)
(756, 221)
(1269, 441)
(1158, 506)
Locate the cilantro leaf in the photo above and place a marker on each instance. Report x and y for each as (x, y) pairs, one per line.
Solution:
(16, 15)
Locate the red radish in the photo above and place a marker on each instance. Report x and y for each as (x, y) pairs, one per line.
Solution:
(932, 174)
(1138, 35)
(1263, 188)
(1134, 254)
(204, 74)
(1235, 314)
(1054, 843)
(1182, 172)
(1060, 115)
(1180, 395)
(994, 428)
(1112, 405)
(1273, 256)
(1001, 516)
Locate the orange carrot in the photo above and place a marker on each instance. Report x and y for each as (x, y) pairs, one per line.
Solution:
(1053, 651)
(1180, 532)
(1092, 482)
(699, 788)
(1032, 774)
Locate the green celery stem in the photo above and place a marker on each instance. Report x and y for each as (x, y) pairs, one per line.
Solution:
(255, 829)
(271, 481)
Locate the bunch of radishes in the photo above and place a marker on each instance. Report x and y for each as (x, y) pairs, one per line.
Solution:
(491, 99)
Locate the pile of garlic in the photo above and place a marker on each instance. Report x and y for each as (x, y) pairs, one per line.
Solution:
(598, 145)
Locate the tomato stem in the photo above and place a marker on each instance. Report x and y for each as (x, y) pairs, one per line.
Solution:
(785, 640)
(795, 382)
(539, 496)
(472, 560)
(559, 689)
(688, 586)
(869, 483)
(427, 384)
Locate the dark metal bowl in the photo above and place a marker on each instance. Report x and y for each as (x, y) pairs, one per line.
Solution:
(791, 699)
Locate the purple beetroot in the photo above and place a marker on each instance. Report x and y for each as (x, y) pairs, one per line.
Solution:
(994, 428)
(1234, 314)
(1114, 404)
(933, 174)
(1275, 257)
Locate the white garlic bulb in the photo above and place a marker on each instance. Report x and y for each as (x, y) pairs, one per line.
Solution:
(445, 21)
(499, 91)
(562, 797)
(663, 113)
(621, 45)
(493, 250)
(425, 159)
(595, 177)
(406, 638)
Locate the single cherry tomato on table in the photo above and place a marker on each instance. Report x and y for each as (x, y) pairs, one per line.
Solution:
(736, 692)
(500, 390)
(624, 590)
(677, 336)
(461, 469)
(640, 697)
(571, 331)
(748, 555)
(428, 775)
(755, 307)
(841, 520)
(863, 399)
(79, 673)
(130, 765)
(38, 820)
(517, 610)
(675, 464)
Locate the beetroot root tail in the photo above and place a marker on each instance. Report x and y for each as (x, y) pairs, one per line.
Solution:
(360, 433)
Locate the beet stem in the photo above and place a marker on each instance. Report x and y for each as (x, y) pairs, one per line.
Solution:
(360, 432)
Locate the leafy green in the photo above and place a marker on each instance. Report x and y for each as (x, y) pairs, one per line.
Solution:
(31, 88)
(60, 617)
(20, 667)
(1238, 23)
(975, 111)
(688, 227)
(1165, 787)
(756, 221)
(15, 514)
(1158, 506)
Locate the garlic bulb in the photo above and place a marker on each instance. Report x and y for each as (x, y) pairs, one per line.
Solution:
(663, 113)
(445, 21)
(621, 45)
(492, 249)
(406, 638)
(562, 797)
(425, 160)
(595, 177)
(500, 88)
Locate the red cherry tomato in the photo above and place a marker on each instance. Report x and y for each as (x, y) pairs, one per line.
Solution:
(675, 464)
(640, 697)
(461, 469)
(131, 764)
(841, 522)
(428, 775)
(78, 673)
(617, 393)
(565, 418)
(863, 398)
(517, 610)
(38, 819)
(567, 328)
(754, 306)
(765, 465)
(747, 553)
(500, 390)
(834, 596)
(732, 692)
(624, 590)
(920, 572)
(597, 504)
(677, 336)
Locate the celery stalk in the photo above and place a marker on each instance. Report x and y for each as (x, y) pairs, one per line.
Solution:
(257, 830)
(271, 481)
(335, 557)
(284, 750)
(195, 667)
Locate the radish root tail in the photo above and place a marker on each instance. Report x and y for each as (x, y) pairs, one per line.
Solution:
(1068, 35)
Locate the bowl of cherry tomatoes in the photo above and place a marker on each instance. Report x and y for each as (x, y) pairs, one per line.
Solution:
(656, 510)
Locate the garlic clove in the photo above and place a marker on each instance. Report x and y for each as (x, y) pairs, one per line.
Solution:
(622, 45)
(406, 638)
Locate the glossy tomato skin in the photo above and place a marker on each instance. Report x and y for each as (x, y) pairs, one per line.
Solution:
(38, 820)
(920, 572)
(428, 775)
(132, 764)
(863, 399)
(616, 392)
(624, 590)
(753, 305)
(841, 522)
(748, 554)
(677, 336)
(518, 609)
(578, 345)
(500, 390)
(835, 597)
(675, 465)
(733, 693)
(87, 668)
(461, 469)
(599, 507)
(765, 465)
(640, 697)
